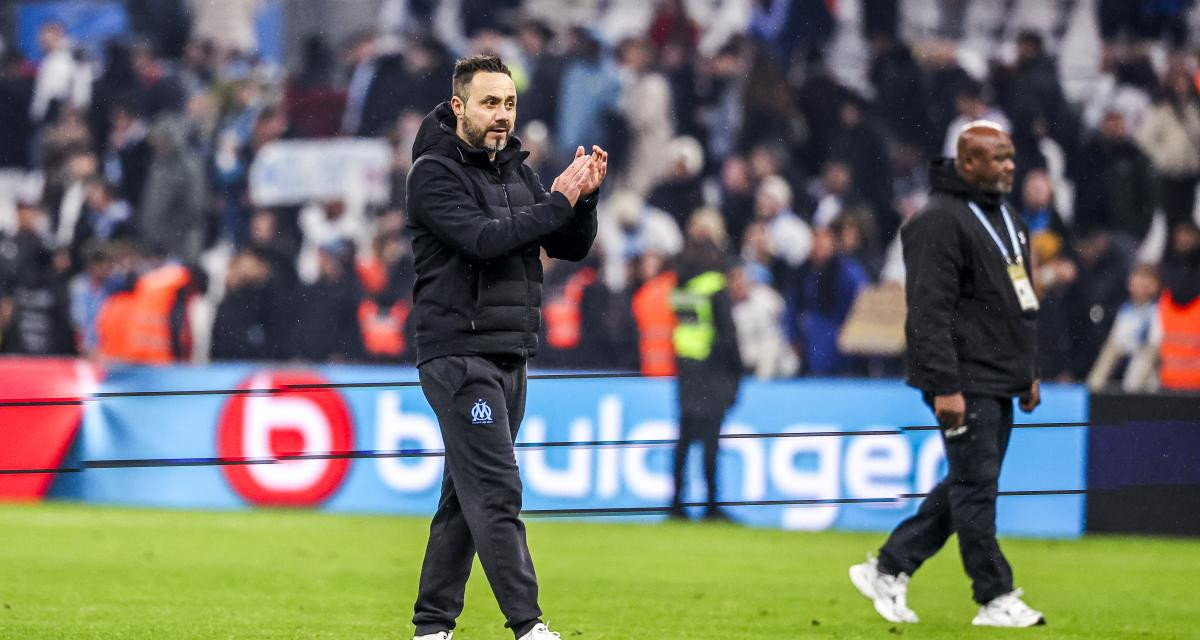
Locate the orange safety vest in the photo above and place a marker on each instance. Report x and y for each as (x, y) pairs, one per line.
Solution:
(373, 275)
(656, 325)
(135, 326)
(1180, 350)
(562, 313)
(383, 333)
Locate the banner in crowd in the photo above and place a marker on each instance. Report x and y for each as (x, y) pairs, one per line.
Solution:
(389, 419)
(292, 172)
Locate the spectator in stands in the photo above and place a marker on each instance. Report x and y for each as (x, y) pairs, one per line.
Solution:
(115, 85)
(1170, 136)
(1104, 260)
(374, 87)
(88, 291)
(1054, 277)
(680, 192)
(129, 154)
(66, 194)
(737, 197)
(673, 25)
(313, 103)
(652, 282)
(587, 96)
(629, 228)
(971, 103)
(544, 68)
(275, 246)
(62, 80)
(787, 27)
(1135, 337)
(862, 146)
(159, 89)
(387, 275)
(34, 303)
(1114, 188)
(902, 96)
(104, 218)
(16, 98)
(1031, 86)
(820, 98)
(645, 105)
(832, 193)
(758, 312)
(229, 24)
(819, 299)
(769, 114)
(790, 238)
(1179, 310)
(166, 22)
(173, 205)
(857, 238)
(327, 327)
(248, 324)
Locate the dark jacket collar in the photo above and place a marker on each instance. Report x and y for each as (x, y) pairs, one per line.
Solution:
(439, 135)
(943, 178)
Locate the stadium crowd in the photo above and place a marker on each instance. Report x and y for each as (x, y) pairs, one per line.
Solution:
(794, 133)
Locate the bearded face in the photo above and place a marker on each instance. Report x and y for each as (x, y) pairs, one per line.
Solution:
(487, 111)
(489, 136)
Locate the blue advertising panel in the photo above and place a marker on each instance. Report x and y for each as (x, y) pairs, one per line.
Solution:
(828, 467)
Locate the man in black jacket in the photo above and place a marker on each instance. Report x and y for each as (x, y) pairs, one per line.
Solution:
(479, 219)
(972, 335)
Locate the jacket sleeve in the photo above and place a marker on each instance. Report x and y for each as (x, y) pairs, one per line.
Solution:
(933, 261)
(573, 240)
(440, 202)
(725, 343)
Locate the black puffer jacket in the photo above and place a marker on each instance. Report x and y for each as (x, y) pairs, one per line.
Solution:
(477, 228)
(965, 328)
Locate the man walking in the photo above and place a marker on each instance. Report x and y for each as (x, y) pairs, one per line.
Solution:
(971, 329)
(479, 219)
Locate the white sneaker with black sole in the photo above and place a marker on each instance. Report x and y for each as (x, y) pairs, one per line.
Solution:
(441, 635)
(888, 593)
(540, 632)
(1008, 610)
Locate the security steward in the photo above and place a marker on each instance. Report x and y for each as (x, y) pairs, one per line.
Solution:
(708, 363)
(971, 331)
(479, 218)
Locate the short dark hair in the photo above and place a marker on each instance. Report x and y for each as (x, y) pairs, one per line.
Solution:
(466, 68)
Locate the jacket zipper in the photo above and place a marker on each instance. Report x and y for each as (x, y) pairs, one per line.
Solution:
(528, 308)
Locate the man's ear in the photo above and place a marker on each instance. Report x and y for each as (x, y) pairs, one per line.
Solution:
(457, 106)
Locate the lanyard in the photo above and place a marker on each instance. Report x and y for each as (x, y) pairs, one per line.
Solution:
(1012, 233)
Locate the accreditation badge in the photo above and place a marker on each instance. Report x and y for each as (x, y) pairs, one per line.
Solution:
(1023, 287)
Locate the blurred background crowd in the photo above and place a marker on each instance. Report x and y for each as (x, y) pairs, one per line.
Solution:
(794, 133)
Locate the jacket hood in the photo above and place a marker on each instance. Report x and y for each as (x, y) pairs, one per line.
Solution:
(439, 134)
(944, 178)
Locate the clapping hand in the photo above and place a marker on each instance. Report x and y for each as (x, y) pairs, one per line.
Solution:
(598, 170)
(573, 180)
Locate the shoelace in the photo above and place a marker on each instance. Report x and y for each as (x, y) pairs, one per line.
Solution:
(897, 588)
(1012, 602)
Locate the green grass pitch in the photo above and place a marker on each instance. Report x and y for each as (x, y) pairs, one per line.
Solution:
(70, 571)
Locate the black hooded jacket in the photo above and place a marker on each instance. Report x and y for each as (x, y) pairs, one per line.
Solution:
(966, 331)
(477, 228)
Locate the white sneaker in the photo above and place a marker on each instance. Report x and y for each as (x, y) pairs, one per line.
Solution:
(540, 632)
(1008, 610)
(888, 593)
(441, 635)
